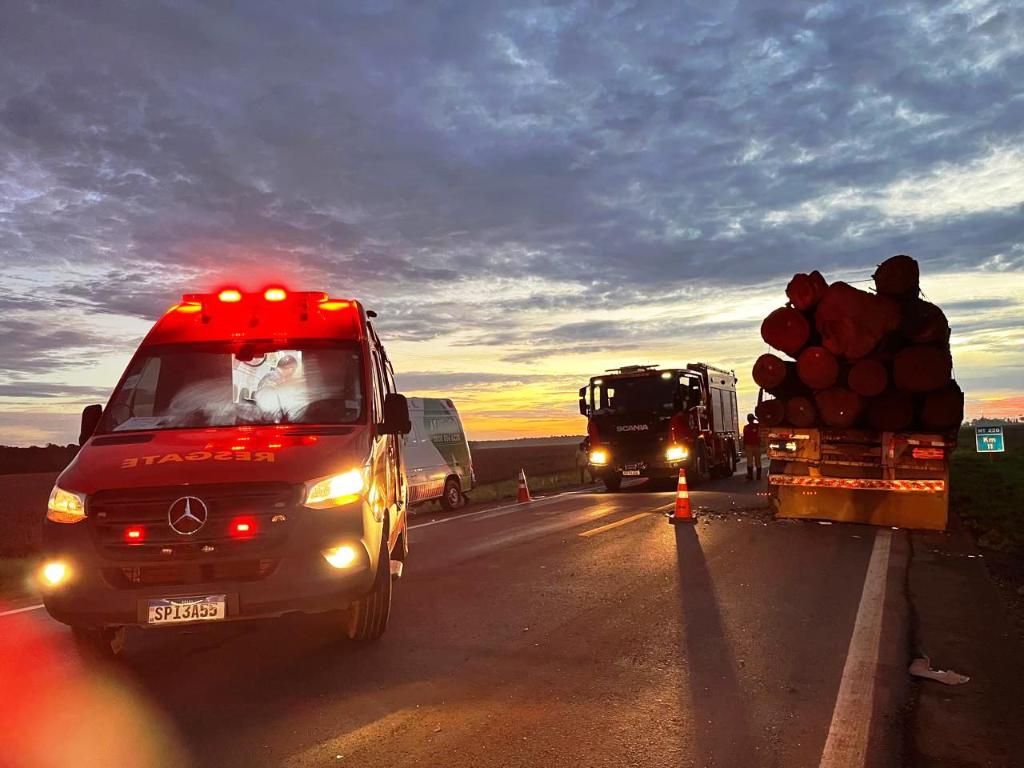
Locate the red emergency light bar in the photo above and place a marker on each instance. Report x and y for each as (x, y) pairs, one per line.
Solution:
(230, 314)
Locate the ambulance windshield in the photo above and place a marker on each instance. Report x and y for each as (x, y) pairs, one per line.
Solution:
(224, 385)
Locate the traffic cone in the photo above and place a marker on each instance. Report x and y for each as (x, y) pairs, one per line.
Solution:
(524, 490)
(682, 513)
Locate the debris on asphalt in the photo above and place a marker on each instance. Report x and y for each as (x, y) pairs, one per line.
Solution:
(922, 667)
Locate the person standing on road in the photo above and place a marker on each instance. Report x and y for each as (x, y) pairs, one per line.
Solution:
(752, 446)
(582, 459)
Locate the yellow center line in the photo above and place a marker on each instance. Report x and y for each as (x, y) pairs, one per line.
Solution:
(616, 524)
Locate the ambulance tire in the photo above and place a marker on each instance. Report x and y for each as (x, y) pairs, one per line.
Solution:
(452, 496)
(367, 618)
(99, 643)
(612, 483)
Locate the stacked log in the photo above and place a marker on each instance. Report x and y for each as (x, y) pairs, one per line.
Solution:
(879, 360)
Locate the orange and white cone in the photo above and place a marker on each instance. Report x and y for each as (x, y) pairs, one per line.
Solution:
(524, 489)
(682, 513)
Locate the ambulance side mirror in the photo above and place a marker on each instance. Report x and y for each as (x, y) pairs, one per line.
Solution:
(583, 402)
(91, 416)
(396, 415)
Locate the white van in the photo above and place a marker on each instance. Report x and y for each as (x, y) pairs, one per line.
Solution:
(437, 457)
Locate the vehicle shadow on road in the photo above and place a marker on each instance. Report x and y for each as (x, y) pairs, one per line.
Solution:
(722, 731)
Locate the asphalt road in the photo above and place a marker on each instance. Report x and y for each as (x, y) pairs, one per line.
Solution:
(578, 630)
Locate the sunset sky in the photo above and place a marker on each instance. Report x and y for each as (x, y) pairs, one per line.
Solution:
(527, 194)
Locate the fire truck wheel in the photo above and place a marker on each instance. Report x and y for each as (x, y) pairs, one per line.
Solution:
(367, 618)
(452, 496)
(701, 465)
(612, 483)
(99, 643)
(728, 466)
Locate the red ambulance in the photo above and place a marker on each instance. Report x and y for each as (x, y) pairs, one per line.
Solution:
(248, 464)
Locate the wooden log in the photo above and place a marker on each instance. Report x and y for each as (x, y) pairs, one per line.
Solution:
(922, 368)
(800, 412)
(817, 368)
(771, 413)
(867, 377)
(839, 407)
(944, 408)
(771, 371)
(898, 276)
(787, 330)
(805, 290)
(924, 323)
(853, 322)
(891, 411)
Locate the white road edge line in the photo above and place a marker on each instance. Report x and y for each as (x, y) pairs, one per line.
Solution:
(22, 610)
(534, 503)
(847, 741)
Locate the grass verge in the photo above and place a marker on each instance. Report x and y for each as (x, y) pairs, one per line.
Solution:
(987, 490)
(508, 489)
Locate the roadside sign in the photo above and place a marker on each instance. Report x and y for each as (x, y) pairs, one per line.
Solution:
(989, 439)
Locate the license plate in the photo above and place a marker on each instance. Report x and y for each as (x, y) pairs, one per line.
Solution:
(178, 610)
(631, 473)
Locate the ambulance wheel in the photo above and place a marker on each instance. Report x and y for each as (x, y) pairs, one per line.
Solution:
(99, 643)
(367, 618)
(452, 496)
(612, 483)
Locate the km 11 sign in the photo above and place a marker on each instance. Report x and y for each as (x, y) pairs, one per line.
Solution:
(989, 439)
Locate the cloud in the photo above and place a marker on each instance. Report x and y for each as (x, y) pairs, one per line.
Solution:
(413, 381)
(496, 176)
(28, 347)
(42, 390)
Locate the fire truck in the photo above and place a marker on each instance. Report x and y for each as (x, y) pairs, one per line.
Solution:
(646, 421)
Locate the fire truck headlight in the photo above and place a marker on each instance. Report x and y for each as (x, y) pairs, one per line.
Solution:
(65, 506)
(335, 490)
(676, 453)
(599, 456)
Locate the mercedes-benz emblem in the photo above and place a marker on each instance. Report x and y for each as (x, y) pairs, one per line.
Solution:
(187, 515)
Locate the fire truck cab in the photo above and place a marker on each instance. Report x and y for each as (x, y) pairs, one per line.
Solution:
(645, 421)
(250, 463)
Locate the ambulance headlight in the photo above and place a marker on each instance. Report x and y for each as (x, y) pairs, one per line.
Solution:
(335, 490)
(676, 453)
(599, 456)
(65, 506)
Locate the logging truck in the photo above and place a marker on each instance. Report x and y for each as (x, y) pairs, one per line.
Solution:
(648, 422)
(860, 424)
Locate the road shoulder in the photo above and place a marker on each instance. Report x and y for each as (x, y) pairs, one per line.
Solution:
(961, 623)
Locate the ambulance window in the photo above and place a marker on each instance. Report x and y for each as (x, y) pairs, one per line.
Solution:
(144, 394)
(389, 377)
(378, 387)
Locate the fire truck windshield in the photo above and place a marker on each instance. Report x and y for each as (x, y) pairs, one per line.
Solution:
(225, 385)
(640, 395)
